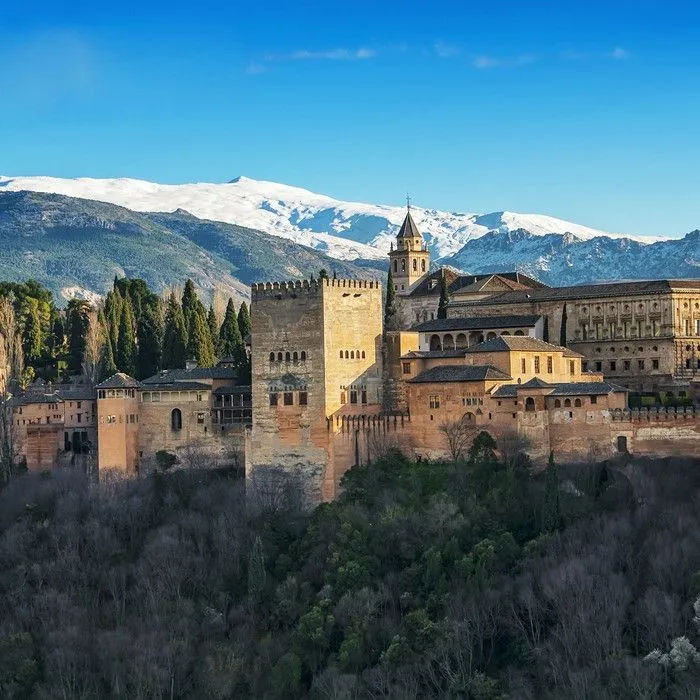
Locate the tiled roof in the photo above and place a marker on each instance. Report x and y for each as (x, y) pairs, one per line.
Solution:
(76, 393)
(118, 381)
(589, 291)
(34, 398)
(242, 389)
(197, 373)
(465, 284)
(423, 354)
(459, 373)
(505, 343)
(408, 228)
(478, 323)
(562, 389)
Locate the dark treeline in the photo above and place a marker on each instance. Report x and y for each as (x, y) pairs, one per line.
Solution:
(133, 330)
(469, 580)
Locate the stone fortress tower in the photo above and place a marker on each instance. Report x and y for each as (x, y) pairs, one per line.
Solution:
(316, 367)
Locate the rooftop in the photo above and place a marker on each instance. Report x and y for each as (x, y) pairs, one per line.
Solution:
(590, 291)
(560, 389)
(468, 284)
(167, 376)
(118, 381)
(408, 228)
(459, 373)
(471, 323)
(506, 343)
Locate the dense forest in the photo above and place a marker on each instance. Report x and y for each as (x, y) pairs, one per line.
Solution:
(476, 579)
(133, 330)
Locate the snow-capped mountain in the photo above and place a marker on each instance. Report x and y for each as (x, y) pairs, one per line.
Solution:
(343, 230)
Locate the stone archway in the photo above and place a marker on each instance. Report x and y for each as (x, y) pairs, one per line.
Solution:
(435, 342)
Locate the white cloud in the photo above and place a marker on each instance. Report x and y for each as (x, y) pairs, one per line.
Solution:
(483, 61)
(334, 54)
(619, 54)
(445, 50)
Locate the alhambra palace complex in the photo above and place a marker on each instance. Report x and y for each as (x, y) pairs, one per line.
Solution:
(540, 368)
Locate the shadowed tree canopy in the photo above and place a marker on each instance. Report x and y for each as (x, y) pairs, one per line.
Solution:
(199, 345)
(244, 324)
(175, 336)
(444, 297)
(126, 345)
(230, 341)
(150, 335)
(390, 315)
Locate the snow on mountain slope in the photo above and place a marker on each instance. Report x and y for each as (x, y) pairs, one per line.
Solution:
(344, 230)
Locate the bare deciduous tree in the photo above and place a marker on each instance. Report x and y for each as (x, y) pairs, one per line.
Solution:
(460, 434)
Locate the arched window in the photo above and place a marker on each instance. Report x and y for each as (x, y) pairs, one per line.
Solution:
(469, 417)
(295, 356)
(287, 357)
(176, 419)
(505, 333)
(341, 354)
(461, 341)
(403, 266)
(347, 355)
(577, 403)
(557, 403)
(448, 342)
(567, 403)
(279, 357)
(303, 355)
(422, 265)
(363, 354)
(490, 336)
(396, 265)
(529, 404)
(435, 343)
(352, 354)
(272, 357)
(519, 332)
(415, 265)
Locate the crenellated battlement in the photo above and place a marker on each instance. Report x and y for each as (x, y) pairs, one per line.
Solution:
(655, 415)
(293, 288)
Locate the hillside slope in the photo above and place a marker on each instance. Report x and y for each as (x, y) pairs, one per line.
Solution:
(77, 246)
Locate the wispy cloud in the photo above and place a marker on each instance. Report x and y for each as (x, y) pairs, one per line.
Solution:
(619, 54)
(445, 50)
(334, 54)
(256, 68)
(484, 62)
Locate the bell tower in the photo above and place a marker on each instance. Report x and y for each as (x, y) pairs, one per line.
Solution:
(410, 260)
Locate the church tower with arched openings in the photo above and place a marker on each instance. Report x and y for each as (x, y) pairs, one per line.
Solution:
(410, 259)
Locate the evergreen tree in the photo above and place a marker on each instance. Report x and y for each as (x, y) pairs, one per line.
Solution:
(390, 304)
(244, 324)
(444, 297)
(562, 328)
(551, 513)
(323, 274)
(230, 341)
(113, 314)
(126, 344)
(190, 302)
(107, 365)
(78, 321)
(256, 573)
(150, 335)
(213, 329)
(31, 335)
(175, 336)
(199, 345)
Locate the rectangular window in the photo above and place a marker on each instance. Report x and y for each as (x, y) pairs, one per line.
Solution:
(434, 401)
(598, 367)
(572, 367)
(353, 397)
(288, 398)
(200, 418)
(640, 364)
(550, 368)
(594, 399)
(523, 366)
(626, 365)
(80, 418)
(407, 368)
(687, 326)
(303, 398)
(273, 399)
(613, 365)
(364, 396)
(343, 398)
(537, 364)
(697, 326)
(584, 366)
(655, 364)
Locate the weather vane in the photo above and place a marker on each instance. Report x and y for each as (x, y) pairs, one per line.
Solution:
(408, 202)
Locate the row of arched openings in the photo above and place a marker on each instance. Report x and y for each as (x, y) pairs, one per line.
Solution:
(288, 356)
(352, 354)
(451, 342)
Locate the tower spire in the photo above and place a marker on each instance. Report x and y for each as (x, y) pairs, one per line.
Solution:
(408, 202)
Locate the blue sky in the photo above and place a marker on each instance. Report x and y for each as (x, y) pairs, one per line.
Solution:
(589, 111)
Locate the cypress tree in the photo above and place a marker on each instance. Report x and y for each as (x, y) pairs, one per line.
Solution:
(213, 329)
(107, 365)
(126, 345)
(256, 573)
(444, 297)
(562, 328)
(323, 274)
(199, 345)
(190, 302)
(244, 324)
(150, 334)
(175, 336)
(230, 341)
(77, 323)
(551, 513)
(390, 304)
(113, 314)
(31, 335)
